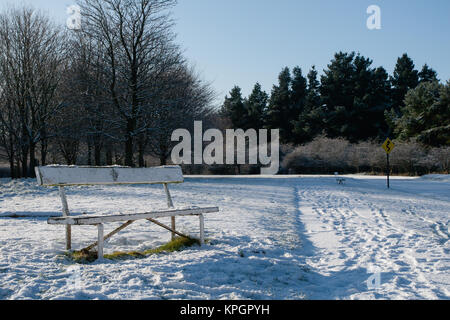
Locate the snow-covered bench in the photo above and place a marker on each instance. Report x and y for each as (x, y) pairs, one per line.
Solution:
(63, 176)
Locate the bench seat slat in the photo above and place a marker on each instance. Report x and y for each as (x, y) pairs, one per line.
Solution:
(97, 219)
(74, 175)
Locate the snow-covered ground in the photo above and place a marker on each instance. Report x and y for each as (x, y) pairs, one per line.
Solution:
(303, 237)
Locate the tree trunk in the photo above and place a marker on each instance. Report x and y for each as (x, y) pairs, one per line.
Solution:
(18, 172)
(97, 154)
(129, 152)
(117, 158)
(44, 147)
(24, 161)
(109, 160)
(11, 156)
(141, 159)
(25, 148)
(131, 124)
(11, 168)
(141, 148)
(89, 153)
(32, 160)
(163, 152)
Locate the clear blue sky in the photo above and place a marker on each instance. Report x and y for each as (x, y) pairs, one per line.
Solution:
(244, 41)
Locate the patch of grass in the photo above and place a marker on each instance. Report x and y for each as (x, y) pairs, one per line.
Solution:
(82, 256)
(179, 243)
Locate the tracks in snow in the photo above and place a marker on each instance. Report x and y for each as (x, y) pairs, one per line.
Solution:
(363, 234)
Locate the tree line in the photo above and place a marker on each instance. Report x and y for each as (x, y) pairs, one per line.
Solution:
(351, 100)
(113, 90)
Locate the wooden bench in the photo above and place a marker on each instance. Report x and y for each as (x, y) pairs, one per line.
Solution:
(339, 179)
(63, 176)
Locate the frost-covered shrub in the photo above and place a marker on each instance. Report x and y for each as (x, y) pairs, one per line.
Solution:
(406, 157)
(441, 156)
(325, 155)
(320, 155)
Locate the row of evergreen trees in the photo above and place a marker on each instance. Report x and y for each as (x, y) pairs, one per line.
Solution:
(353, 100)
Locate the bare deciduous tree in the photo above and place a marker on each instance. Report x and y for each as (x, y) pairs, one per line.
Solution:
(136, 42)
(120, 80)
(30, 68)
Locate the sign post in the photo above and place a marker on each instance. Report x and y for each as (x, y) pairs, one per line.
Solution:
(388, 169)
(388, 146)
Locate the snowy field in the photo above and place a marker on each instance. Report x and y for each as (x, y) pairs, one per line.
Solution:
(303, 237)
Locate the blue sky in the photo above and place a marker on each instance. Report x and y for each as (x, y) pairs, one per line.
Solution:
(244, 41)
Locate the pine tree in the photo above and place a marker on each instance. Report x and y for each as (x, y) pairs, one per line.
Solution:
(371, 100)
(355, 97)
(427, 74)
(278, 111)
(310, 121)
(337, 92)
(256, 106)
(380, 102)
(234, 108)
(298, 100)
(313, 93)
(298, 93)
(337, 83)
(405, 77)
(426, 114)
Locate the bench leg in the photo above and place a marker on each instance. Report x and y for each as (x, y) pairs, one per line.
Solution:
(100, 242)
(66, 213)
(173, 228)
(68, 237)
(202, 229)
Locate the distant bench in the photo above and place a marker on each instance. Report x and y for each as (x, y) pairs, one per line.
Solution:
(339, 179)
(63, 176)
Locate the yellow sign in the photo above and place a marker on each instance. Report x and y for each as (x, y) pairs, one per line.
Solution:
(388, 146)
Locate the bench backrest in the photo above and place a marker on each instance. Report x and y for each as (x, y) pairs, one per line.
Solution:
(74, 175)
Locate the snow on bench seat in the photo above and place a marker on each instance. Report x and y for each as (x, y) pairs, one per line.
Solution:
(57, 175)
